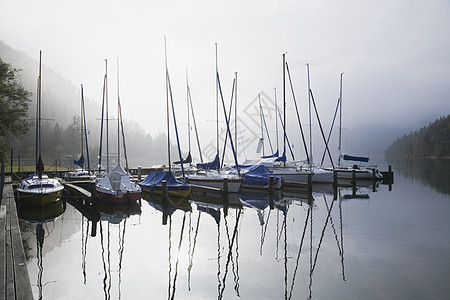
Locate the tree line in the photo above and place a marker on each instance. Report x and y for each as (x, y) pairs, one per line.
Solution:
(429, 141)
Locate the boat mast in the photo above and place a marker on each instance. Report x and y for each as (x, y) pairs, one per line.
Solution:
(310, 121)
(167, 103)
(235, 114)
(284, 105)
(188, 115)
(118, 116)
(217, 105)
(276, 112)
(81, 123)
(340, 119)
(107, 118)
(39, 106)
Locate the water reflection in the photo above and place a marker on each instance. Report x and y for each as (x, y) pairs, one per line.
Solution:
(221, 246)
(41, 222)
(429, 171)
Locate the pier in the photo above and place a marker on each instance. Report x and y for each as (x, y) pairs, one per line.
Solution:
(14, 279)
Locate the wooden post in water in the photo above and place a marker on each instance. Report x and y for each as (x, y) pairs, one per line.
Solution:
(271, 180)
(139, 173)
(165, 202)
(225, 200)
(354, 181)
(12, 160)
(335, 184)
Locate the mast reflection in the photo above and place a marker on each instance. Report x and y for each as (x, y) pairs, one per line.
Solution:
(41, 221)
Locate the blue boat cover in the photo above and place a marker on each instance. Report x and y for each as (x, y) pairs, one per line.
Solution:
(213, 165)
(356, 158)
(257, 175)
(155, 179)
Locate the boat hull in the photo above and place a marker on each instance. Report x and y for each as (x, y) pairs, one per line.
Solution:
(39, 198)
(119, 197)
(232, 184)
(173, 191)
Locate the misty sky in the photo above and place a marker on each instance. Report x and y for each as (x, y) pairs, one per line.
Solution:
(395, 55)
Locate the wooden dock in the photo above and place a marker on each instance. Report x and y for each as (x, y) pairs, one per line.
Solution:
(14, 279)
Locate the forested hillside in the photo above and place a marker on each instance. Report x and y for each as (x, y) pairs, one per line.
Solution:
(430, 141)
(61, 114)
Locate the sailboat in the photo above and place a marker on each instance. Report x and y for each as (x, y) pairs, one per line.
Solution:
(291, 172)
(357, 170)
(153, 183)
(117, 186)
(210, 174)
(81, 174)
(38, 189)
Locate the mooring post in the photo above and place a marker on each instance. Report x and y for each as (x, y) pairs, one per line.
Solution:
(165, 202)
(225, 200)
(373, 175)
(139, 173)
(271, 183)
(335, 184)
(12, 160)
(309, 184)
(354, 181)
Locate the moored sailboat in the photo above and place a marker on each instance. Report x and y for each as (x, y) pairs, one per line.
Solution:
(38, 189)
(117, 186)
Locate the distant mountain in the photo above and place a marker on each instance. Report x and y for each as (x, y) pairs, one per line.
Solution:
(61, 98)
(430, 141)
(61, 103)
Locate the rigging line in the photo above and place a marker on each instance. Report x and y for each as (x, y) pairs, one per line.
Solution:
(265, 126)
(263, 235)
(178, 255)
(195, 125)
(191, 256)
(322, 235)
(228, 127)
(334, 229)
(331, 130)
(321, 129)
(229, 114)
(101, 125)
(230, 250)
(298, 115)
(299, 252)
(287, 140)
(176, 128)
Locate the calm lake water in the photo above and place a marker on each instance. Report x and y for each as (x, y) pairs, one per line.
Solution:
(372, 243)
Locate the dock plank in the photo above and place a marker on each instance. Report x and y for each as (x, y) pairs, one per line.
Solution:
(15, 281)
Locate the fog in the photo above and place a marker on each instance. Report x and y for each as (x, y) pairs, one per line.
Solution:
(395, 56)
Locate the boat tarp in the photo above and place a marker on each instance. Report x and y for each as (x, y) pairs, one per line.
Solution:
(213, 165)
(256, 175)
(155, 179)
(355, 158)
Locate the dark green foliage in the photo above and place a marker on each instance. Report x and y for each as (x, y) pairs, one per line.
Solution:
(430, 141)
(14, 101)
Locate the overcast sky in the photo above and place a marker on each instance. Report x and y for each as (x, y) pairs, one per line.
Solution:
(395, 54)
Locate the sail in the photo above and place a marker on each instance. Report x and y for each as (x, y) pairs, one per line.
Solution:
(212, 165)
(187, 160)
(79, 162)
